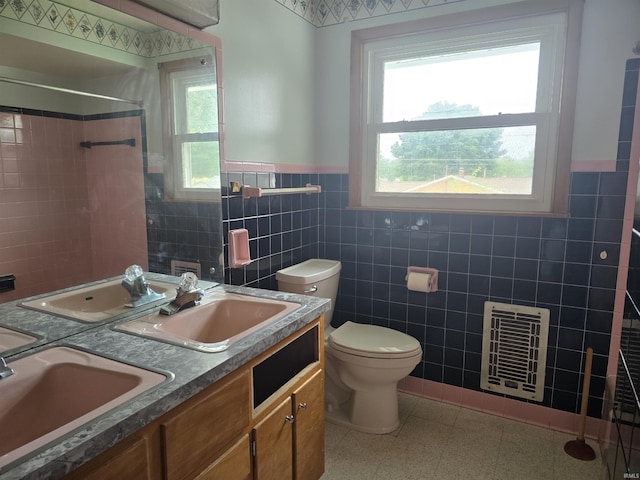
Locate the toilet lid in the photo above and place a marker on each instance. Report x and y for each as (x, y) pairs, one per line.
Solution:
(373, 341)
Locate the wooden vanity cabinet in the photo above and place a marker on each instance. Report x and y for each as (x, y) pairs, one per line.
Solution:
(308, 432)
(289, 409)
(273, 442)
(135, 457)
(289, 441)
(235, 463)
(202, 429)
(234, 430)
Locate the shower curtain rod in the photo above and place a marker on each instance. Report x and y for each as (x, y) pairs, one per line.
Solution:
(139, 103)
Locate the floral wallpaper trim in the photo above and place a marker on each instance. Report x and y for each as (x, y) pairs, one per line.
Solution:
(322, 13)
(68, 21)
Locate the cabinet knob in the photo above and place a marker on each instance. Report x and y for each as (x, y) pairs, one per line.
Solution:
(289, 419)
(302, 405)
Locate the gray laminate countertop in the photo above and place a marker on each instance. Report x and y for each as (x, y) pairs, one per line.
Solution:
(189, 371)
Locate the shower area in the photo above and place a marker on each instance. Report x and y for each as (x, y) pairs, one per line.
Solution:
(621, 407)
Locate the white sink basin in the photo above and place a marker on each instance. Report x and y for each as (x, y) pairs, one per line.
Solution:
(56, 390)
(96, 302)
(221, 320)
(10, 339)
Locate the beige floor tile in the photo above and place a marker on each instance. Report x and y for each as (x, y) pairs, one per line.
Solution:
(360, 444)
(437, 441)
(473, 420)
(343, 466)
(532, 437)
(334, 434)
(472, 441)
(456, 470)
(469, 456)
(435, 411)
(423, 432)
(523, 463)
(509, 471)
(414, 463)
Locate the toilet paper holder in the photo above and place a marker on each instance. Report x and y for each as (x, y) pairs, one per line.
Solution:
(430, 282)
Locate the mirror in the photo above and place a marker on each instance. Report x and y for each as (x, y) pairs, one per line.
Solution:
(72, 213)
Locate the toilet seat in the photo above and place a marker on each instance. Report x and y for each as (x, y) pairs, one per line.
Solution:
(372, 341)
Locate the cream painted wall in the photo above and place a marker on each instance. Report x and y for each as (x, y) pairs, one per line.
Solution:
(269, 80)
(610, 29)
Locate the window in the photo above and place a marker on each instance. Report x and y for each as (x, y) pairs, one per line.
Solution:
(460, 115)
(190, 117)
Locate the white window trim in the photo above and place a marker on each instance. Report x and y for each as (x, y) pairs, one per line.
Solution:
(173, 168)
(553, 116)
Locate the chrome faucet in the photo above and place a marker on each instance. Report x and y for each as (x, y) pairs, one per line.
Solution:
(187, 295)
(137, 286)
(5, 370)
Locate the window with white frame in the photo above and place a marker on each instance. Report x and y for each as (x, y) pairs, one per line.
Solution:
(190, 118)
(468, 112)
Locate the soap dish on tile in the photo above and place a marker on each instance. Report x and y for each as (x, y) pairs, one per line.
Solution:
(239, 248)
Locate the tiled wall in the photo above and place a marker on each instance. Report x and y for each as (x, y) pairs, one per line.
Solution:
(68, 215)
(549, 262)
(183, 231)
(44, 223)
(283, 229)
(116, 195)
(553, 263)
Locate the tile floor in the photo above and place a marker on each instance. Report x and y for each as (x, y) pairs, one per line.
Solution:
(437, 441)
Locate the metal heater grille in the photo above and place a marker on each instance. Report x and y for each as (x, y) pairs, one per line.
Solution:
(514, 350)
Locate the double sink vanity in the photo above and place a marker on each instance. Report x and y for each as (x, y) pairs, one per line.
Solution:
(98, 388)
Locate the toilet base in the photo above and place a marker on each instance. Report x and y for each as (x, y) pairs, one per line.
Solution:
(385, 421)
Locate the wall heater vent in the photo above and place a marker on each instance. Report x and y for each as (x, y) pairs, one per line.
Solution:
(514, 350)
(179, 267)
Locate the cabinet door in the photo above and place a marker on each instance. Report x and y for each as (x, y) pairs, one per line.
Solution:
(308, 404)
(273, 439)
(234, 464)
(205, 427)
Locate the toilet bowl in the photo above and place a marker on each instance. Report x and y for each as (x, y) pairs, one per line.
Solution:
(363, 363)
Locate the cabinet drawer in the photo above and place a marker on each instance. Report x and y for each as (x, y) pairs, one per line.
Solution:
(205, 427)
(234, 464)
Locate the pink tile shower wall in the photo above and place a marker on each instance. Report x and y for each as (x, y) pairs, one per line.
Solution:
(116, 197)
(44, 208)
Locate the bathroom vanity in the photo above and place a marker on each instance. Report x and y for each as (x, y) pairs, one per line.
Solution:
(255, 410)
(264, 420)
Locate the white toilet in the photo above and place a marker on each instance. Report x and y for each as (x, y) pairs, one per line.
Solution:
(363, 363)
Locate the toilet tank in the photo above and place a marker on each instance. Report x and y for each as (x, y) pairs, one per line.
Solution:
(316, 277)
